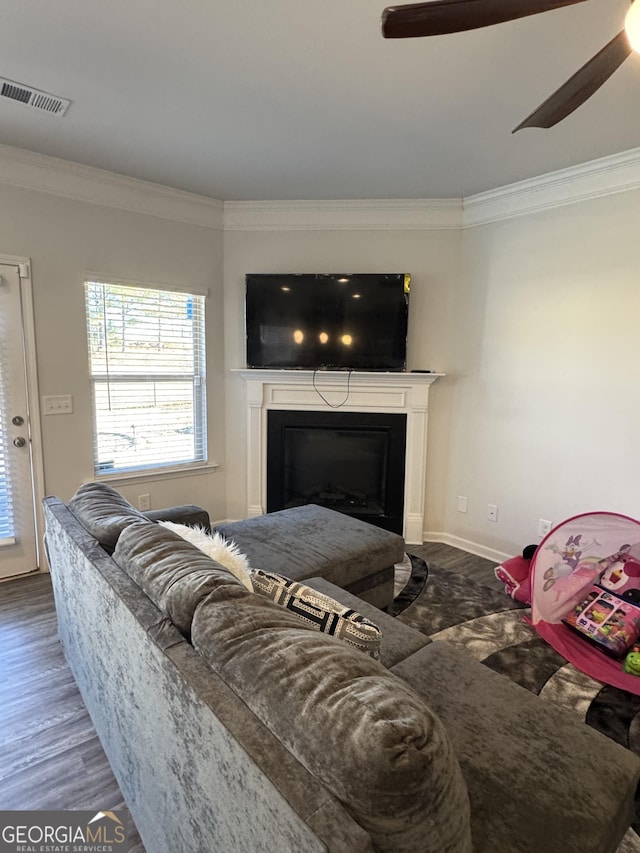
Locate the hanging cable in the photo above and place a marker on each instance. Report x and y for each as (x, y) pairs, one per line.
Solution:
(321, 395)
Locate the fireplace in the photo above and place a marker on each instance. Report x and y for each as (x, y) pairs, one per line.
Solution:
(352, 462)
(336, 392)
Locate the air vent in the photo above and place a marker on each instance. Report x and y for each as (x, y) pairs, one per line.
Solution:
(33, 97)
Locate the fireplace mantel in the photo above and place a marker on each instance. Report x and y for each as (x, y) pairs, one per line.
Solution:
(354, 391)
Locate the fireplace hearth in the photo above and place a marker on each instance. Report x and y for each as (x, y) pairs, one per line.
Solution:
(352, 462)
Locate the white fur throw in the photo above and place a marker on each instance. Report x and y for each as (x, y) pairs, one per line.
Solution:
(214, 545)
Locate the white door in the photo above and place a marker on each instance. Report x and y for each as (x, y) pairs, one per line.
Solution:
(18, 539)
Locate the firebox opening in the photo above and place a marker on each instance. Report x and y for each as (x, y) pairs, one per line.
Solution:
(352, 462)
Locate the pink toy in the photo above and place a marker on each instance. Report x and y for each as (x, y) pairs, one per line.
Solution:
(622, 576)
(590, 558)
(606, 620)
(515, 575)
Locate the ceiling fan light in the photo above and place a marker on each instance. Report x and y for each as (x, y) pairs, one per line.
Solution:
(632, 25)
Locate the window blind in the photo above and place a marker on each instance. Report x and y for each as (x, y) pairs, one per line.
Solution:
(147, 365)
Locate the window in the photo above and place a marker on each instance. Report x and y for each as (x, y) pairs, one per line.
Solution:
(147, 364)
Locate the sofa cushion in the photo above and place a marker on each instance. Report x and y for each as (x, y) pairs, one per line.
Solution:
(103, 512)
(320, 611)
(313, 540)
(535, 771)
(175, 574)
(367, 736)
(214, 545)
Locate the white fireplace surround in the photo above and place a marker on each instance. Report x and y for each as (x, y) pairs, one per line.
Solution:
(293, 390)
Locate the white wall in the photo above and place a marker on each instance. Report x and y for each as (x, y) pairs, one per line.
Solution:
(432, 257)
(534, 320)
(546, 404)
(66, 238)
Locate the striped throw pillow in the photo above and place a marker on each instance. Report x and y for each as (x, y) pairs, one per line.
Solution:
(318, 611)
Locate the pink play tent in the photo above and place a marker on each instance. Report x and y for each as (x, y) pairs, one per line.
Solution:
(585, 587)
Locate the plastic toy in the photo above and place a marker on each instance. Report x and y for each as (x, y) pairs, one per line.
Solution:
(515, 575)
(607, 620)
(632, 660)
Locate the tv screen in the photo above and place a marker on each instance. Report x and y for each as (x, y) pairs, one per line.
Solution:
(335, 321)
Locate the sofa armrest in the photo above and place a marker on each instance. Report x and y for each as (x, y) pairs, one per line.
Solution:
(191, 514)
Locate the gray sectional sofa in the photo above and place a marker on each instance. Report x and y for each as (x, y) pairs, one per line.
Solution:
(233, 727)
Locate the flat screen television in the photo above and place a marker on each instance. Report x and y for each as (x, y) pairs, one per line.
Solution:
(332, 321)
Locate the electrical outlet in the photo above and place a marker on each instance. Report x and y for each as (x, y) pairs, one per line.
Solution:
(462, 503)
(492, 512)
(144, 502)
(544, 526)
(62, 405)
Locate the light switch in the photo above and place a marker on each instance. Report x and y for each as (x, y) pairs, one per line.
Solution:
(62, 405)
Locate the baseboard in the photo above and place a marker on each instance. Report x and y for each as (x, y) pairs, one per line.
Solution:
(466, 545)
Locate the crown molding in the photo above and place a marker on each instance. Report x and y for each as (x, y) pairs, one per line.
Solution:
(21, 168)
(345, 215)
(606, 176)
(595, 179)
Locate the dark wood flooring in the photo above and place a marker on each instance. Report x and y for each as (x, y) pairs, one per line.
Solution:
(477, 568)
(50, 755)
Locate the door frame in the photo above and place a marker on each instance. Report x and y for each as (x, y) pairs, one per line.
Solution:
(33, 398)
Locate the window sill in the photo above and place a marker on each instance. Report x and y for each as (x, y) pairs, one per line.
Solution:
(157, 474)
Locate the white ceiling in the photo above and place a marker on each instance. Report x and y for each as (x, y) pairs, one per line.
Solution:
(292, 99)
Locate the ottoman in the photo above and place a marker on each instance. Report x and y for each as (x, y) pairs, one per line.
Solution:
(307, 541)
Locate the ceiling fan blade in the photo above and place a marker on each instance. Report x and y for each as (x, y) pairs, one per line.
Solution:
(581, 86)
(451, 16)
